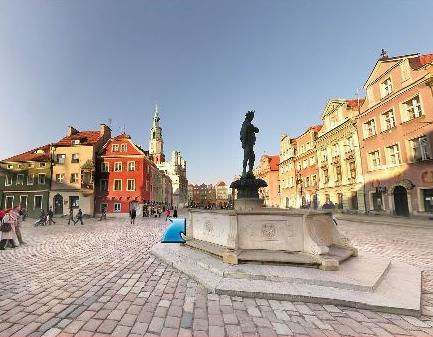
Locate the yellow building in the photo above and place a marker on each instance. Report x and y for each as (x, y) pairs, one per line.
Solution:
(340, 171)
(72, 180)
(287, 173)
(268, 171)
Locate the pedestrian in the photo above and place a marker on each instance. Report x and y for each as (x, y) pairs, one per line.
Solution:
(79, 217)
(71, 216)
(159, 212)
(50, 216)
(175, 212)
(167, 214)
(132, 214)
(8, 231)
(103, 213)
(15, 214)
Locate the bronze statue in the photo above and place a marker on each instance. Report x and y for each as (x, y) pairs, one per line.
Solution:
(248, 140)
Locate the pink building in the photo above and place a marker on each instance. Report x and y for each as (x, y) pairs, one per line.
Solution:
(395, 129)
(268, 171)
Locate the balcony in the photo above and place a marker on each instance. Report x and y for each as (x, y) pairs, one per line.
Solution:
(350, 155)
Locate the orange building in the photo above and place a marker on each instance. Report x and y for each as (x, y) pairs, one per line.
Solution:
(395, 128)
(268, 171)
(287, 172)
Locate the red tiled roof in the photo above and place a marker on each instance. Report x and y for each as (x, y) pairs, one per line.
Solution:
(421, 60)
(87, 137)
(32, 155)
(317, 128)
(121, 136)
(353, 103)
(220, 183)
(274, 161)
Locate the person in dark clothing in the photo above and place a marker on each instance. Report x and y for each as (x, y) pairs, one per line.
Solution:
(50, 216)
(79, 217)
(133, 215)
(103, 213)
(71, 216)
(175, 213)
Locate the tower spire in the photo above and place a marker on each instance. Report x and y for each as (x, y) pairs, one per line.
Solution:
(156, 143)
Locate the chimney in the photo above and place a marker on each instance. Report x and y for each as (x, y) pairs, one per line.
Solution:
(71, 131)
(104, 130)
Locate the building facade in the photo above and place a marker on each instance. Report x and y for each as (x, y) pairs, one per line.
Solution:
(396, 134)
(73, 173)
(339, 157)
(287, 172)
(175, 168)
(26, 181)
(307, 173)
(268, 171)
(123, 176)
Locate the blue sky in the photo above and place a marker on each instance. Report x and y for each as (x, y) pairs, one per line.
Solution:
(204, 62)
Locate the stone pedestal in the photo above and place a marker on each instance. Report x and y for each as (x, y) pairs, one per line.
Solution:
(248, 204)
(269, 235)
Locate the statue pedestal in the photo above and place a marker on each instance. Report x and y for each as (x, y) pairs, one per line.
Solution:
(269, 235)
(248, 204)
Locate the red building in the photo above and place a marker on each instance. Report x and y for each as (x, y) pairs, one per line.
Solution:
(124, 176)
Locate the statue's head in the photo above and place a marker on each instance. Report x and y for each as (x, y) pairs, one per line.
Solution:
(250, 115)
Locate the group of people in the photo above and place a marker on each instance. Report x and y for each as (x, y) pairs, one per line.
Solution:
(152, 211)
(10, 227)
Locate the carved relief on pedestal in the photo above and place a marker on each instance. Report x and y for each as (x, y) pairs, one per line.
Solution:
(208, 227)
(269, 231)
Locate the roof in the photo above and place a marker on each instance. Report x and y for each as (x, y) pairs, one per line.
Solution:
(420, 60)
(41, 153)
(220, 183)
(353, 103)
(121, 136)
(274, 161)
(86, 137)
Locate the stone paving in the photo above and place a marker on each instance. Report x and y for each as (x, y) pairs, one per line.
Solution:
(100, 279)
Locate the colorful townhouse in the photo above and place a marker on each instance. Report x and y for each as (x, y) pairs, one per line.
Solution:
(26, 180)
(395, 127)
(73, 171)
(126, 178)
(268, 171)
(287, 172)
(339, 157)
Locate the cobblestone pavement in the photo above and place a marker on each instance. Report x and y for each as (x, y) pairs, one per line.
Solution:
(100, 279)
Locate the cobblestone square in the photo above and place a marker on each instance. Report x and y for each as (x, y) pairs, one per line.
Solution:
(100, 279)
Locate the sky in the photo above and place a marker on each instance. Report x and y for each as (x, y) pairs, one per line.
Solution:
(205, 63)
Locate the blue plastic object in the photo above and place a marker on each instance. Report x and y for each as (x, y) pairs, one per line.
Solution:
(173, 231)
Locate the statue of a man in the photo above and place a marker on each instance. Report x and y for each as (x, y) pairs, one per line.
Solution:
(248, 139)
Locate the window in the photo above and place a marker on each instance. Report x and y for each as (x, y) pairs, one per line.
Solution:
(8, 181)
(20, 166)
(413, 108)
(312, 161)
(335, 150)
(9, 201)
(325, 176)
(147, 186)
(61, 159)
(38, 202)
(117, 166)
(75, 158)
(428, 200)
(374, 160)
(20, 179)
(420, 149)
(324, 155)
(31, 165)
(369, 128)
(314, 180)
(377, 201)
(386, 87)
(393, 154)
(123, 147)
(305, 163)
(349, 144)
(10, 166)
(117, 207)
(298, 165)
(75, 142)
(30, 179)
(41, 164)
(338, 175)
(74, 178)
(104, 185)
(131, 184)
(41, 178)
(307, 181)
(105, 167)
(115, 148)
(388, 120)
(74, 201)
(23, 201)
(352, 170)
(60, 177)
(131, 166)
(117, 185)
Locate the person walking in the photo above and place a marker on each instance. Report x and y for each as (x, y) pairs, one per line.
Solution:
(17, 217)
(50, 216)
(8, 230)
(175, 212)
(167, 214)
(71, 216)
(79, 217)
(132, 215)
(103, 213)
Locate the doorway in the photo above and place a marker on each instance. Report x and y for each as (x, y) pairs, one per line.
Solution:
(58, 204)
(400, 201)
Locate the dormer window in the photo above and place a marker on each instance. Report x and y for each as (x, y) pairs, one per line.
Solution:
(10, 166)
(123, 148)
(386, 87)
(76, 142)
(115, 148)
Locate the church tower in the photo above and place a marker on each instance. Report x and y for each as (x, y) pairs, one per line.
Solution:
(156, 144)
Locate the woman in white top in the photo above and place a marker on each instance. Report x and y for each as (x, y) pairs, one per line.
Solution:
(7, 235)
